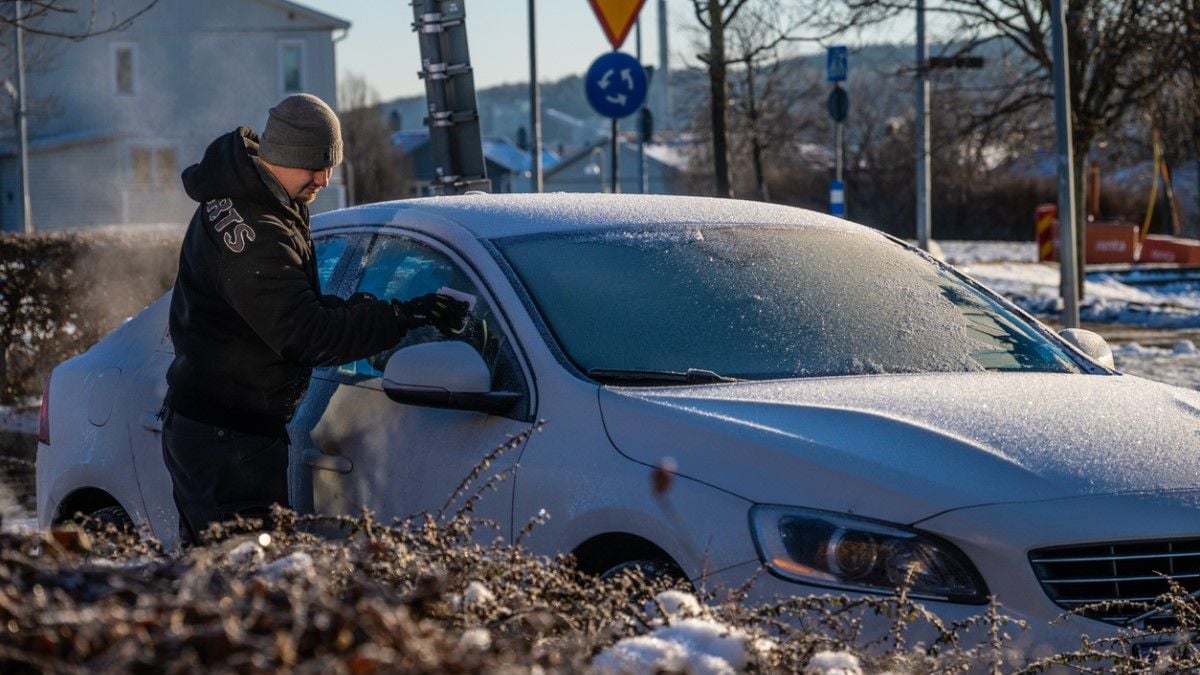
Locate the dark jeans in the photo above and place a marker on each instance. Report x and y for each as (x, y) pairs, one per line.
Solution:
(218, 473)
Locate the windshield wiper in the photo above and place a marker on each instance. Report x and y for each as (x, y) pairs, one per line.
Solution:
(690, 376)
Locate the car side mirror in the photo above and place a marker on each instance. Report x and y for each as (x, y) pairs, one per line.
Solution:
(1090, 344)
(446, 374)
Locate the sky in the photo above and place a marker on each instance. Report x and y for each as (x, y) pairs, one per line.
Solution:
(382, 47)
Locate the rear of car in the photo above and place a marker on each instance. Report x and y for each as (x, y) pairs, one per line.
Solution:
(85, 461)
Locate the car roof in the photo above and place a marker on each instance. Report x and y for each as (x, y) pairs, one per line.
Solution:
(490, 216)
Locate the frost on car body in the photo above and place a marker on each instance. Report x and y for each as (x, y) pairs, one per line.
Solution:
(836, 405)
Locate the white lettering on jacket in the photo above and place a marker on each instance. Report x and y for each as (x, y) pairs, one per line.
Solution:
(221, 215)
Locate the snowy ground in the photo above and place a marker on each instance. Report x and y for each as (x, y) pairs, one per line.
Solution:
(1153, 328)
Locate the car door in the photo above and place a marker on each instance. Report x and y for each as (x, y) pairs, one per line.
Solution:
(397, 460)
(147, 387)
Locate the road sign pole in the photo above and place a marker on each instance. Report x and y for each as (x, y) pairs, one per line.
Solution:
(839, 108)
(535, 103)
(615, 159)
(923, 130)
(641, 141)
(837, 190)
(664, 69)
(837, 145)
(615, 86)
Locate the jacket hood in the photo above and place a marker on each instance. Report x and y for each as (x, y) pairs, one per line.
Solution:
(228, 170)
(915, 445)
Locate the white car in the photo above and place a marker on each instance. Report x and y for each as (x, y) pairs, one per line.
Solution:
(837, 407)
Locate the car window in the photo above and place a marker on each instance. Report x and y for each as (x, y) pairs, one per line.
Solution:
(329, 252)
(402, 268)
(765, 303)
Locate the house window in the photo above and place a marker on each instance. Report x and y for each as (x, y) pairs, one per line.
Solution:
(153, 168)
(125, 69)
(291, 66)
(166, 167)
(143, 174)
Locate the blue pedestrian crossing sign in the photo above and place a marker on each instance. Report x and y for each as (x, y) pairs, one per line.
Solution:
(837, 62)
(615, 85)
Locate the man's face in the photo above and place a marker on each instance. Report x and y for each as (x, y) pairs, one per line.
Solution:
(301, 184)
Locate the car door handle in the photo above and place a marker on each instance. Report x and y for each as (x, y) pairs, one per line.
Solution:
(152, 421)
(319, 460)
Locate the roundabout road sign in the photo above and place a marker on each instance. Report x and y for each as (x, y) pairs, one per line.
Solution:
(615, 85)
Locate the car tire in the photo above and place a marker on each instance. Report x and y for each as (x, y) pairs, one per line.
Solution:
(653, 570)
(112, 516)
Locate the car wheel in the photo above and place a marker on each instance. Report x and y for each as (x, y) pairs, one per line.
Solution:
(653, 570)
(111, 516)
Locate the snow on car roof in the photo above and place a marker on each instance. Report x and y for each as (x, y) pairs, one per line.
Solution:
(491, 216)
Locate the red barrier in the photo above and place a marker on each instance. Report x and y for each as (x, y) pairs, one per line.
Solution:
(1160, 248)
(1045, 218)
(1111, 243)
(1106, 242)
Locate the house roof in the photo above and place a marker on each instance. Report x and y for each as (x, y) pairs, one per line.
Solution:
(9, 148)
(503, 152)
(311, 14)
(498, 150)
(669, 155)
(407, 141)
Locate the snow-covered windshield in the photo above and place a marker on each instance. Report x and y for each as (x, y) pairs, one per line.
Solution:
(752, 302)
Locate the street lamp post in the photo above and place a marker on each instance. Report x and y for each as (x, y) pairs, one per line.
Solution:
(1068, 255)
(922, 124)
(22, 124)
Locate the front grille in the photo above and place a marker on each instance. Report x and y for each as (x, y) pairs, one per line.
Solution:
(1127, 578)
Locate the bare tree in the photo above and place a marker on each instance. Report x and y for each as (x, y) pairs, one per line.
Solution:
(795, 21)
(766, 90)
(372, 164)
(1121, 52)
(715, 16)
(92, 17)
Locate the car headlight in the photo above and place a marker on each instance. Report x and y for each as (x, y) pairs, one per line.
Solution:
(831, 549)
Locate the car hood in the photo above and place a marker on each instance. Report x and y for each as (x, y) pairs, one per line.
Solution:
(907, 447)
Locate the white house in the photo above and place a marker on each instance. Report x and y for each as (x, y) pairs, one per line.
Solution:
(122, 114)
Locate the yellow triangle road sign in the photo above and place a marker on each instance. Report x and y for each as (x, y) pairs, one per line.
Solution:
(617, 17)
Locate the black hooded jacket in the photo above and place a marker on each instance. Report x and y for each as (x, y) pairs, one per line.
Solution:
(248, 319)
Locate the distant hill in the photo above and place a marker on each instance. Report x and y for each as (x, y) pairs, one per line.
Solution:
(505, 108)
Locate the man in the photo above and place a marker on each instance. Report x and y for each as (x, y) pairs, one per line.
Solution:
(248, 318)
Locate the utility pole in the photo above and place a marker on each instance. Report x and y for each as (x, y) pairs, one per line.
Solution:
(922, 125)
(1068, 255)
(535, 102)
(664, 68)
(22, 120)
(455, 141)
(641, 140)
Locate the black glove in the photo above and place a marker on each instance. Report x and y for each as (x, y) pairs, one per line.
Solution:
(432, 309)
(359, 298)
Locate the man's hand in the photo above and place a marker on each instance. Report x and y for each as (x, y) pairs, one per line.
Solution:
(359, 298)
(433, 309)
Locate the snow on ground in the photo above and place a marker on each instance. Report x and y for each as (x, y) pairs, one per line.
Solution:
(1179, 365)
(964, 252)
(684, 639)
(1110, 307)
(1034, 286)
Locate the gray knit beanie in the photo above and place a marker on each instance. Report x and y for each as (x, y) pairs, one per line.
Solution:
(303, 133)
